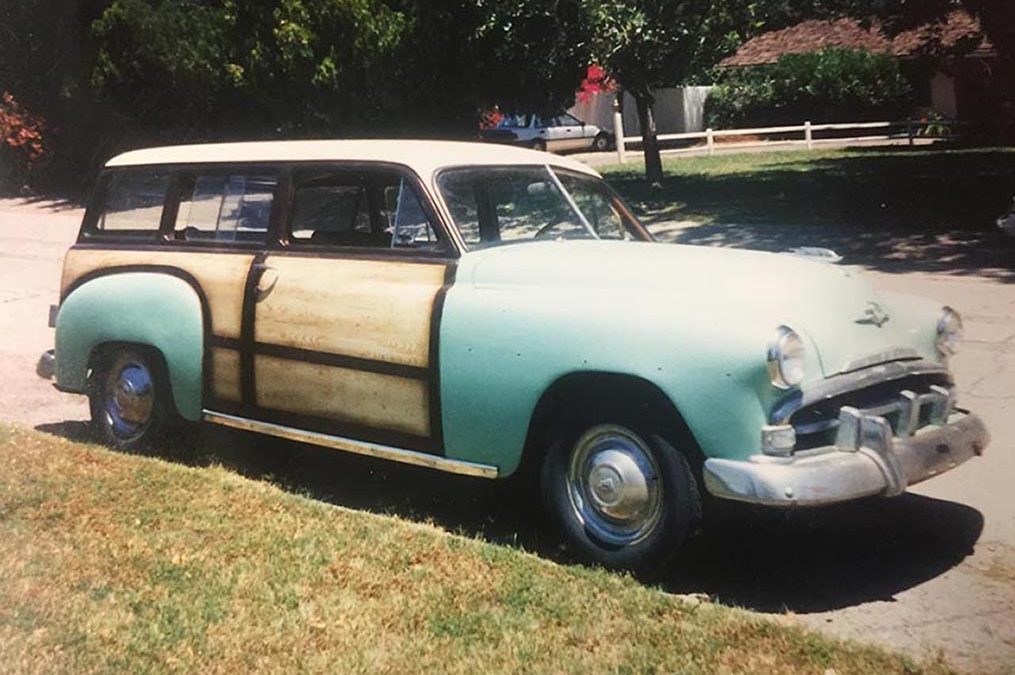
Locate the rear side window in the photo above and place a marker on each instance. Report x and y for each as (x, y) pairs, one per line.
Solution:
(225, 207)
(359, 208)
(133, 202)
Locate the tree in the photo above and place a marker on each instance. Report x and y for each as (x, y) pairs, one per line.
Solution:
(463, 56)
(246, 67)
(648, 44)
(335, 67)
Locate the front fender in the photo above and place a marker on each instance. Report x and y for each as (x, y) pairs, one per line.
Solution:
(145, 308)
(502, 348)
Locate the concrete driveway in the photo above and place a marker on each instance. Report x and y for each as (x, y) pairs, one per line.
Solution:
(930, 572)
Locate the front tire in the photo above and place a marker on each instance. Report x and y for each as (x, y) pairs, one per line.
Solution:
(129, 398)
(539, 145)
(621, 496)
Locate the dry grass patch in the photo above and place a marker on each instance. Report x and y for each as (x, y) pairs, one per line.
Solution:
(116, 562)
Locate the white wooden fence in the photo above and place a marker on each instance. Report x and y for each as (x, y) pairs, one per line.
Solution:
(909, 129)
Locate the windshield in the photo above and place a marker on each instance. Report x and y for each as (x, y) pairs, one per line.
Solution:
(495, 205)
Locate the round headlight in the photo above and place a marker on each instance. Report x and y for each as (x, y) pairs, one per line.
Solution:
(786, 356)
(949, 333)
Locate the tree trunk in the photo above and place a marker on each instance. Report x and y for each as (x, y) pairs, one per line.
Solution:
(997, 18)
(649, 142)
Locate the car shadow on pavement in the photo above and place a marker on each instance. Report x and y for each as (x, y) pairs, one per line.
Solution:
(761, 559)
(818, 560)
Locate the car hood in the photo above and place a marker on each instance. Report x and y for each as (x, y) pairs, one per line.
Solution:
(730, 289)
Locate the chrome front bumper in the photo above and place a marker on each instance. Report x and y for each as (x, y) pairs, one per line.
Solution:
(871, 461)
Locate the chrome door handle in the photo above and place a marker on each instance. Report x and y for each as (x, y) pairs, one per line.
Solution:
(266, 281)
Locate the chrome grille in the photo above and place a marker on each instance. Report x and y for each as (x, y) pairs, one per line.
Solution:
(907, 404)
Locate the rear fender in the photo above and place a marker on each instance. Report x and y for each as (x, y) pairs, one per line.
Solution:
(146, 308)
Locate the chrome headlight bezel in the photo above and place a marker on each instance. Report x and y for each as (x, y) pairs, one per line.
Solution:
(949, 333)
(786, 358)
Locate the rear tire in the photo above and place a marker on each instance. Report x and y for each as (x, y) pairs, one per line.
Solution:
(621, 496)
(129, 396)
(601, 142)
(539, 145)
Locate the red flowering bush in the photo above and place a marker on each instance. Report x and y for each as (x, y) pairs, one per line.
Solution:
(21, 142)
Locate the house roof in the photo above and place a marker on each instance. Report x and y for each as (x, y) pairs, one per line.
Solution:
(814, 35)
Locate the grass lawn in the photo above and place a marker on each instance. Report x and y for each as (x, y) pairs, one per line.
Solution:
(861, 188)
(922, 209)
(118, 562)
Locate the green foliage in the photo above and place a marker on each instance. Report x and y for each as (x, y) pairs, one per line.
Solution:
(827, 86)
(239, 67)
(334, 67)
(21, 143)
(464, 56)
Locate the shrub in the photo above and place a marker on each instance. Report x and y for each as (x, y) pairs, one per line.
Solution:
(831, 85)
(21, 143)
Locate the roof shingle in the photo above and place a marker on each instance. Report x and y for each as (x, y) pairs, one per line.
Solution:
(815, 35)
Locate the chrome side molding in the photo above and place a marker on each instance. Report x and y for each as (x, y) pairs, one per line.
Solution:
(457, 466)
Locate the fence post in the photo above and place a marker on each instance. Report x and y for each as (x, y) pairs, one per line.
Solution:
(808, 135)
(910, 131)
(710, 140)
(618, 128)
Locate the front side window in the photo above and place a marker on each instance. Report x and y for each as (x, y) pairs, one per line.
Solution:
(225, 207)
(598, 204)
(493, 205)
(133, 201)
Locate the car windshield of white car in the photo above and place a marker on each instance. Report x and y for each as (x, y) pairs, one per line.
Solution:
(494, 205)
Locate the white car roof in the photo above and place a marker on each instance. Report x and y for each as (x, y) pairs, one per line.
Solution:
(424, 157)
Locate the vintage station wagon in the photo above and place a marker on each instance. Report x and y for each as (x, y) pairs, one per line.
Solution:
(485, 310)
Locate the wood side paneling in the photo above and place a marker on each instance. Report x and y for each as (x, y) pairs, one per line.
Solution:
(225, 369)
(221, 275)
(361, 308)
(354, 396)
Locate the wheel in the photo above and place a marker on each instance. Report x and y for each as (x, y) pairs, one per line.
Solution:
(539, 145)
(601, 142)
(622, 498)
(129, 398)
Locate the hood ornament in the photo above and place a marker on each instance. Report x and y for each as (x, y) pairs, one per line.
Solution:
(874, 314)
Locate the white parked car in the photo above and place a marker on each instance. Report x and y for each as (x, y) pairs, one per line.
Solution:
(563, 132)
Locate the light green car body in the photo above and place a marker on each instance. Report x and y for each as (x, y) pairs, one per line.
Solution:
(693, 322)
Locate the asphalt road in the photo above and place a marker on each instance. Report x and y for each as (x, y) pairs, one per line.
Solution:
(930, 572)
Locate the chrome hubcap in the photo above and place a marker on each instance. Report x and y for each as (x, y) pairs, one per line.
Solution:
(613, 483)
(129, 399)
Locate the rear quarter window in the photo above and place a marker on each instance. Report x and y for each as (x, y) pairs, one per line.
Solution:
(132, 202)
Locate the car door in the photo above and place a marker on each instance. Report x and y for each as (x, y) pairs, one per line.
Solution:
(573, 132)
(552, 133)
(344, 318)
